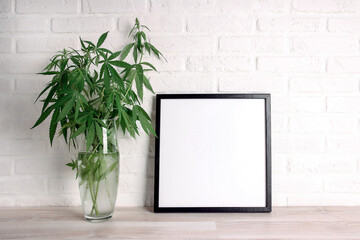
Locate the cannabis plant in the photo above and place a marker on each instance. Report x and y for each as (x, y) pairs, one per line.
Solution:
(80, 97)
(94, 89)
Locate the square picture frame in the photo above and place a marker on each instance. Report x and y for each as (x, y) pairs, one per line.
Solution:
(213, 153)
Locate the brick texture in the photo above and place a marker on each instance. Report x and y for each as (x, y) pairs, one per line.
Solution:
(305, 53)
(46, 6)
(5, 6)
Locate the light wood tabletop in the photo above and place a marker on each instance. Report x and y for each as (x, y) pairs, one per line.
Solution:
(141, 223)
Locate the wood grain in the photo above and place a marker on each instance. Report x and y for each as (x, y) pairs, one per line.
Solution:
(141, 223)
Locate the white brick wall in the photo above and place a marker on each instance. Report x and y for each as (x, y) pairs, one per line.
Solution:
(304, 52)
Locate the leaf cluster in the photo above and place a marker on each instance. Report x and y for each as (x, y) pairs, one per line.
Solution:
(93, 84)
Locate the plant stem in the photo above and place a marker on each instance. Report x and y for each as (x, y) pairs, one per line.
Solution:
(94, 207)
(91, 183)
(97, 187)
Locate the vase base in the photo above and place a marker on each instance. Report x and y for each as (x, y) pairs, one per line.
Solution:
(97, 219)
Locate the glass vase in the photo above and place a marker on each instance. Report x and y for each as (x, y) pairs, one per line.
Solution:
(98, 173)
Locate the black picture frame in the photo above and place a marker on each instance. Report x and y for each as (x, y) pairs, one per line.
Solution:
(247, 209)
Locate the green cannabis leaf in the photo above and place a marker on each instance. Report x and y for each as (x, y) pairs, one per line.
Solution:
(93, 84)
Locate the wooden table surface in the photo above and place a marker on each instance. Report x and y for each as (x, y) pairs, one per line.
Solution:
(141, 223)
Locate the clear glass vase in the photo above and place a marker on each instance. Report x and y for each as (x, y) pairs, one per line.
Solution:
(98, 173)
